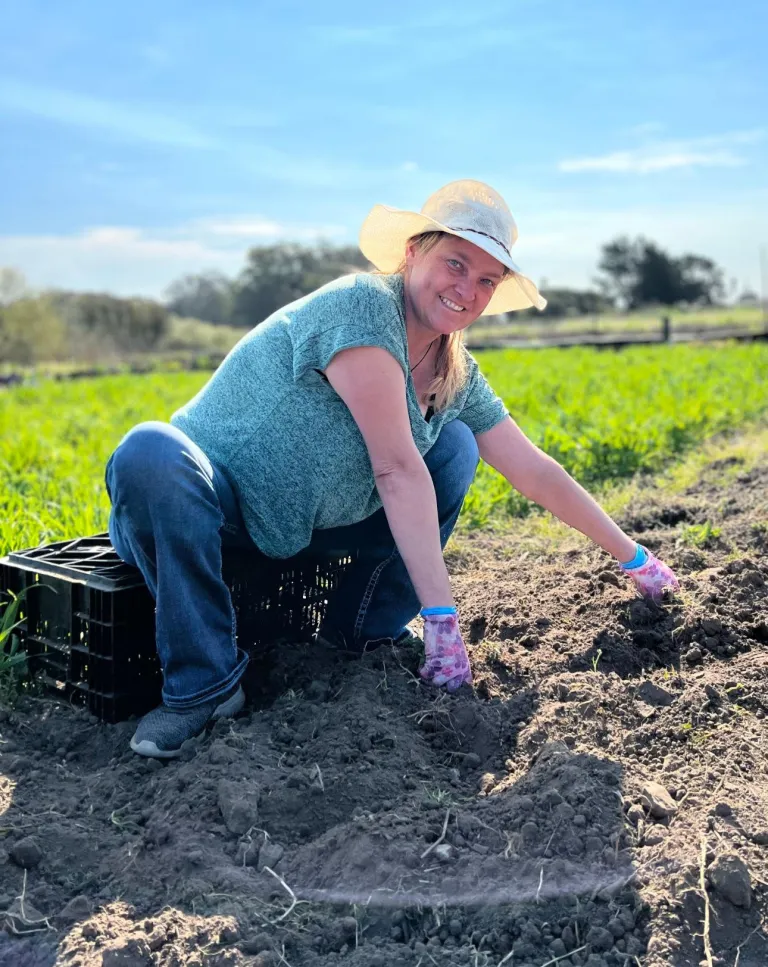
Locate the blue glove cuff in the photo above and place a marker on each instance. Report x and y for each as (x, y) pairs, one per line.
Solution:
(641, 556)
(429, 612)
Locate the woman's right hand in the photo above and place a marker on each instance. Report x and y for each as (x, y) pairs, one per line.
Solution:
(446, 662)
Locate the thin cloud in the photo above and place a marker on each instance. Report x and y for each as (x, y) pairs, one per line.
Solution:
(127, 260)
(255, 227)
(134, 123)
(709, 152)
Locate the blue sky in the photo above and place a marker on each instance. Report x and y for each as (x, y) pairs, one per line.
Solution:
(141, 142)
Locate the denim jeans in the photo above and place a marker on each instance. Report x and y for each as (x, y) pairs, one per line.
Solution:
(173, 512)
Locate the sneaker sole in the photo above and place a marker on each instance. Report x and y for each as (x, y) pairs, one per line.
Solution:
(231, 707)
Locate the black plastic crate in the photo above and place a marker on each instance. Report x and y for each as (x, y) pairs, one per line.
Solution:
(89, 619)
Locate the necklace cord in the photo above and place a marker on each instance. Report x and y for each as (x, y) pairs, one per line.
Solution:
(422, 358)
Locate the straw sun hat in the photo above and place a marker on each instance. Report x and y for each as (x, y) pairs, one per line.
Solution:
(470, 209)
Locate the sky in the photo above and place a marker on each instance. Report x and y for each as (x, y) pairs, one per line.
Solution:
(142, 142)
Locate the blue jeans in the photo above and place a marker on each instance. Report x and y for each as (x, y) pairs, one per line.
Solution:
(173, 512)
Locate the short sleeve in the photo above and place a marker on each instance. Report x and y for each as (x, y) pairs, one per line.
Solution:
(482, 409)
(345, 318)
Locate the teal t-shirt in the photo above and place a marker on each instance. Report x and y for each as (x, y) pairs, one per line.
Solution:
(281, 434)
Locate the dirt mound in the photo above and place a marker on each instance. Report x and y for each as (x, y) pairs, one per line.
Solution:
(611, 761)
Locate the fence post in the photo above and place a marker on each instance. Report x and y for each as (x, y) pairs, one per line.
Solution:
(666, 329)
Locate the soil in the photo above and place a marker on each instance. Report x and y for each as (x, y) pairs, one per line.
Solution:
(599, 798)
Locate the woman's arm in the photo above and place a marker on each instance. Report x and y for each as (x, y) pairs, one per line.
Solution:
(371, 382)
(540, 478)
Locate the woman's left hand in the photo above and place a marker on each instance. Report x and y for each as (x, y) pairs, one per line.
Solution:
(653, 578)
(445, 656)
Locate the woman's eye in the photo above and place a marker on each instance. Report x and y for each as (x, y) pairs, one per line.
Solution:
(489, 282)
(454, 263)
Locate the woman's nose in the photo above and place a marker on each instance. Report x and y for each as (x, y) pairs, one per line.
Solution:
(465, 288)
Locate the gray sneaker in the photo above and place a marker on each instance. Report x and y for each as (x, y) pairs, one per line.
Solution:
(163, 731)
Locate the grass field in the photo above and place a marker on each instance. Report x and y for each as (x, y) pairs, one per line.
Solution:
(604, 416)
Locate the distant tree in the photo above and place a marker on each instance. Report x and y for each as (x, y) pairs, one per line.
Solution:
(618, 264)
(748, 298)
(276, 275)
(111, 324)
(570, 302)
(13, 285)
(637, 273)
(207, 296)
(659, 279)
(702, 280)
(30, 331)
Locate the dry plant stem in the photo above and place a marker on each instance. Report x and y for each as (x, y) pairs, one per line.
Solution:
(320, 777)
(437, 842)
(705, 896)
(290, 892)
(556, 960)
(24, 921)
(743, 943)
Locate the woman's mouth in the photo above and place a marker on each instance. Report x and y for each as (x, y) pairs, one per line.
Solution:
(454, 307)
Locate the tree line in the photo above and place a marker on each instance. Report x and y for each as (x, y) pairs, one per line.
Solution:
(632, 273)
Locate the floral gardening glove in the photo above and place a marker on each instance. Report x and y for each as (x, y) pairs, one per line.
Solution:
(651, 576)
(445, 657)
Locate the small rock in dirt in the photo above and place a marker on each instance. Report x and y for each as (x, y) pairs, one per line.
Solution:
(267, 958)
(79, 908)
(221, 754)
(654, 695)
(599, 938)
(636, 814)
(694, 655)
(256, 944)
(26, 853)
(444, 852)
(564, 813)
(247, 854)
(712, 626)
(658, 801)
(729, 876)
(557, 948)
(270, 855)
(656, 835)
(229, 934)
(609, 577)
(134, 953)
(759, 837)
(238, 802)
(723, 809)
(529, 831)
(25, 915)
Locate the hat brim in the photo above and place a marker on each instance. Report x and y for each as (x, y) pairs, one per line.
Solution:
(386, 230)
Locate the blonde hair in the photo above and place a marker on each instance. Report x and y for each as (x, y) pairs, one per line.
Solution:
(451, 360)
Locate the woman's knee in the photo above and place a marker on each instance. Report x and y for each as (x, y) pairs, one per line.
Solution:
(455, 453)
(145, 460)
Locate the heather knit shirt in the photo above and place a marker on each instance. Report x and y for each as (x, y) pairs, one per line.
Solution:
(285, 439)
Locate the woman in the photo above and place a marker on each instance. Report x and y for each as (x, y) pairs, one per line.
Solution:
(353, 417)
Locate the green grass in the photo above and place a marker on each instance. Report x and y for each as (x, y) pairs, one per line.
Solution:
(603, 415)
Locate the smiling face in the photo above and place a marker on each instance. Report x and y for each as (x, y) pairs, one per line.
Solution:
(448, 285)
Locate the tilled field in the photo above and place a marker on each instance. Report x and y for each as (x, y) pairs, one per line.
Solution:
(600, 798)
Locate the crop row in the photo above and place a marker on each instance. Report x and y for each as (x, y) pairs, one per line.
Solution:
(603, 415)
